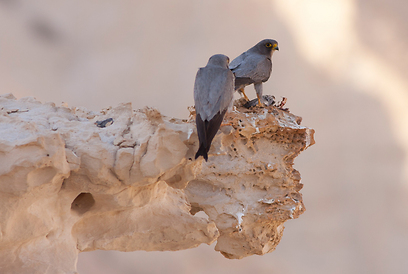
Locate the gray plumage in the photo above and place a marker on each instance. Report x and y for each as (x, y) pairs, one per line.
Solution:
(213, 94)
(254, 66)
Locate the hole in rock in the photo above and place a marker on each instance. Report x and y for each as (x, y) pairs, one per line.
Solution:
(174, 180)
(82, 203)
(194, 209)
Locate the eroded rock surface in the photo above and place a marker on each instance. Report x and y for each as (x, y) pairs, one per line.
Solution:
(68, 185)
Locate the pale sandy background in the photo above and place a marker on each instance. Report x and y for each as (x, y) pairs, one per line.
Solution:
(342, 65)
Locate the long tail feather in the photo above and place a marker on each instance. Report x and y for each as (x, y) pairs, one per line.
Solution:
(202, 151)
(202, 137)
(206, 132)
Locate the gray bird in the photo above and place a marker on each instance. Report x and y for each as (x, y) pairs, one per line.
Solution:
(213, 93)
(254, 66)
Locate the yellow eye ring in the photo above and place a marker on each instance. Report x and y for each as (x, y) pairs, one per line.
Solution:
(268, 45)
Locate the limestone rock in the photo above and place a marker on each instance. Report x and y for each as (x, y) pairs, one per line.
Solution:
(68, 185)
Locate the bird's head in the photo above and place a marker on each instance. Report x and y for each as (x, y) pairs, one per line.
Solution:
(267, 46)
(219, 60)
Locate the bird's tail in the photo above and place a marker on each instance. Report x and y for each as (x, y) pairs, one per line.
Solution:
(202, 151)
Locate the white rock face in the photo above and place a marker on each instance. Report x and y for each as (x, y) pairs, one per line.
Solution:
(67, 185)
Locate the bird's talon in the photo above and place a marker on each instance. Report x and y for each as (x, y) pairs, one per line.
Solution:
(260, 104)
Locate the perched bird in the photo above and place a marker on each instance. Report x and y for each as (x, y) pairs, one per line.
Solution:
(254, 66)
(213, 93)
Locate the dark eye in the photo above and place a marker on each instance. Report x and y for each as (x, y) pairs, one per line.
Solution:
(268, 45)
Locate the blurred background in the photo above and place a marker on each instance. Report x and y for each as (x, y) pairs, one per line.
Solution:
(342, 65)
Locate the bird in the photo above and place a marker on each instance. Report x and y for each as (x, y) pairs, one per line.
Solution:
(254, 66)
(213, 94)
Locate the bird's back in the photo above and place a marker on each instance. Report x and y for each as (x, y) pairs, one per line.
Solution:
(253, 69)
(213, 90)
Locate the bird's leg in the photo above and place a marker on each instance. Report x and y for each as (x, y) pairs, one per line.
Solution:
(260, 104)
(241, 90)
(259, 92)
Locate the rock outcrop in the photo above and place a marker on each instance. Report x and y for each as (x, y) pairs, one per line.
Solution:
(73, 180)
